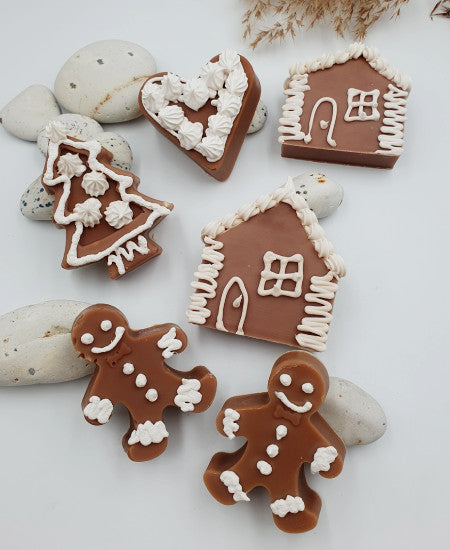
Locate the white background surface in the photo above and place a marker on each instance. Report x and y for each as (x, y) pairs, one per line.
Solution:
(66, 484)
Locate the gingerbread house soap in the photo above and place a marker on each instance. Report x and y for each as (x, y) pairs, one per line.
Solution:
(268, 272)
(349, 108)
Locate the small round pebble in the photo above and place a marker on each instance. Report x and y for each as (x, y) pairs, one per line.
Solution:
(102, 80)
(118, 146)
(78, 126)
(25, 115)
(322, 194)
(259, 118)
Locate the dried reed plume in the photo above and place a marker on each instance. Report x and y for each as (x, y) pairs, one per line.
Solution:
(442, 9)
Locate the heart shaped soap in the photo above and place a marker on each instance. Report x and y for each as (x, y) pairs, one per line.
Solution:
(206, 117)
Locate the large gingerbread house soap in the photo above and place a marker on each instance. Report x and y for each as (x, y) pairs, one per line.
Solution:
(349, 108)
(268, 272)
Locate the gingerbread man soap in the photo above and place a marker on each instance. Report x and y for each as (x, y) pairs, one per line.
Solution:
(131, 369)
(99, 206)
(206, 117)
(284, 433)
(349, 107)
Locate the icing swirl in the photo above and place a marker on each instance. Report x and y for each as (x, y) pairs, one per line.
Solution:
(229, 60)
(211, 147)
(153, 97)
(214, 76)
(219, 124)
(171, 86)
(95, 183)
(88, 212)
(118, 214)
(70, 165)
(190, 134)
(227, 103)
(55, 131)
(195, 93)
(171, 117)
(237, 82)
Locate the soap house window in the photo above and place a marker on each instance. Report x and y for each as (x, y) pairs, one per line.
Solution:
(281, 276)
(362, 105)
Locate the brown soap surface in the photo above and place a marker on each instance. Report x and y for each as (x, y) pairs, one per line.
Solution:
(305, 432)
(140, 349)
(222, 168)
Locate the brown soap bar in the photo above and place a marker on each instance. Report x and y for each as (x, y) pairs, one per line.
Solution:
(206, 117)
(104, 215)
(284, 432)
(348, 108)
(268, 272)
(130, 369)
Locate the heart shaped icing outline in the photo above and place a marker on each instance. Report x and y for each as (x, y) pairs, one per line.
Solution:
(227, 98)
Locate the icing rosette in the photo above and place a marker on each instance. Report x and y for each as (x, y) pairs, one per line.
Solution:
(70, 165)
(214, 76)
(171, 117)
(229, 60)
(55, 131)
(190, 134)
(195, 93)
(95, 183)
(118, 214)
(219, 125)
(153, 97)
(227, 103)
(171, 86)
(237, 82)
(88, 212)
(211, 147)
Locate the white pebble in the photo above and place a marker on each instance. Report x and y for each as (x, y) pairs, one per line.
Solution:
(259, 118)
(322, 194)
(78, 126)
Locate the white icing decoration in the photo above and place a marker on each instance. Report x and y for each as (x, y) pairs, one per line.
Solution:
(324, 124)
(55, 131)
(244, 294)
(228, 103)
(195, 93)
(171, 117)
(307, 138)
(285, 379)
(106, 325)
(230, 425)
(231, 481)
(211, 147)
(229, 60)
(98, 409)
(360, 103)
(219, 125)
(128, 253)
(323, 457)
(296, 408)
(268, 275)
(120, 331)
(118, 214)
(171, 87)
(141, 380)
(237, 82)
(264, 467)
(169, 343)
(272, 450)
(124, 182)
(281, 431)
(237, 302)
(314, 324)
(190, 134)
(151, 394)
(128, 368)
(307, 387)
(70, 165)
(391, 133)
(153, 97)
(88, 212)
(214, 76)
(148, 433)
(188, 394)
(95, 183)
(284, 506)
(87, 338)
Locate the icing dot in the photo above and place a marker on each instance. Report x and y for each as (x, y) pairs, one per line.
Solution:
(285, 379)
(264, 467)
(141, 380)
(151, 395)
(128, 368)
(106, 325)
(281, 431)
(307, 387)
(272, 450)
(87, 338)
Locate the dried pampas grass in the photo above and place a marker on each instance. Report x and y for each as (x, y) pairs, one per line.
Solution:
(441, 9)
(270, 20)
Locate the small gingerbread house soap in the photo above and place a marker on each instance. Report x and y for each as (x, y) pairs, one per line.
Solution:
(268, 272)
(348, 108)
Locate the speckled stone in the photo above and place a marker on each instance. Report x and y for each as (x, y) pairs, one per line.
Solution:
(322, 194)
(259, 118)
(118, 146)
(78, 126)
(25, 115)
(102, 80)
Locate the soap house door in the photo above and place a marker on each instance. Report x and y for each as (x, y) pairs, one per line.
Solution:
(233, 307)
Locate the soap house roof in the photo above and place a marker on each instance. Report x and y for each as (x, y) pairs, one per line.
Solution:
(324, 117)
(276, 228)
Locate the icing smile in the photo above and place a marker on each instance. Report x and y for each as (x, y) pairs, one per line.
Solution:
(119, 333)
(296, 408)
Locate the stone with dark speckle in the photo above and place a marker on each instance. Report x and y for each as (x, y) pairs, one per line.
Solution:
(259, 118)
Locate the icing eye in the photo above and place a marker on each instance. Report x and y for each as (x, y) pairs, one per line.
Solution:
(106, 325)
(285, 379)
(87, 338)
(307, 387)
